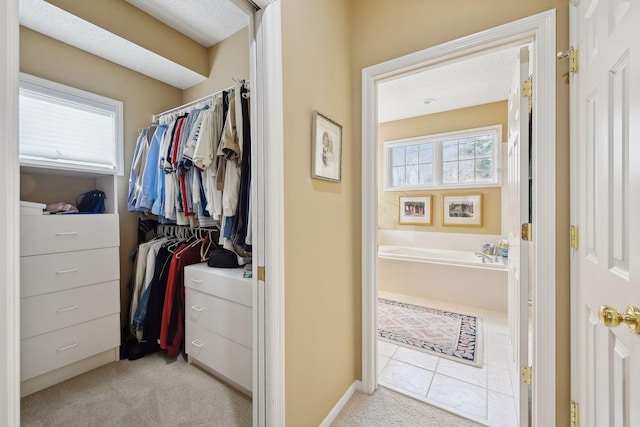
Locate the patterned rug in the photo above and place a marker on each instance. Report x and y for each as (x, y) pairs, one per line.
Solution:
(442, 333)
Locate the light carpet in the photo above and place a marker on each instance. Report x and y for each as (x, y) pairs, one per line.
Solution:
(443, 333)
(388, 408)
(152, 391)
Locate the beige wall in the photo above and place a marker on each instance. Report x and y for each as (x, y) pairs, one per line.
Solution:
(228, 59)
(322, 219)
(142, 96)
(383, 30)
(464, 118)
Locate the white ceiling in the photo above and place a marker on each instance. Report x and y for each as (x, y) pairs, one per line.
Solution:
(475, 81)
(208, 22)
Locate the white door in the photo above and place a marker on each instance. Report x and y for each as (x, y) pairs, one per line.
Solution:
(606, 266)
(518, 207)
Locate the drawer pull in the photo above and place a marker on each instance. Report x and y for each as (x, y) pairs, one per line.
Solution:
(67, 233)
(196, 280)
(67, 347)
(197, 344)
(71, 270)
(62, 310)
(196, 308)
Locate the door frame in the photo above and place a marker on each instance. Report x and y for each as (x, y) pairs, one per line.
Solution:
(9, 217)
(266, 72)
(542, 28)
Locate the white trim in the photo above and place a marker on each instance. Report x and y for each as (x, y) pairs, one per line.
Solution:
(575, 159)
(9, 218)
(333, 414)
(541, 28)
(271, 121)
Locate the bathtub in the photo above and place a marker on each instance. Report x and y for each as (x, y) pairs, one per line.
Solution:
(452, 276)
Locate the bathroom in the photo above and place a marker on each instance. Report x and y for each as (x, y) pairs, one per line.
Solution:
(443, 230)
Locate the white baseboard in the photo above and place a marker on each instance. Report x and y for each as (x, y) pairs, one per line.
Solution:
(331, 416)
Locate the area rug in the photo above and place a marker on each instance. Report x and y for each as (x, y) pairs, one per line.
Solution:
(442, 333)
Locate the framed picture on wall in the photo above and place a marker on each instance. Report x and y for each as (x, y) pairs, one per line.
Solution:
(415, 210)
(465, 210)
(326, 150)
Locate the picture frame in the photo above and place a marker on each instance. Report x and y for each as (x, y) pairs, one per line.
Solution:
(326, 149)
(462, 210)
(415, 210)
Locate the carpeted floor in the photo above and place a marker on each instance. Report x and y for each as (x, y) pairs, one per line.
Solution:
(152, 391)
(388, 408)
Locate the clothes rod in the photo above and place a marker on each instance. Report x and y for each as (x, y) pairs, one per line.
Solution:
(155, 117)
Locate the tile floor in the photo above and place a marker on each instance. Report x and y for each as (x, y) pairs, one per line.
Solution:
(483, 395)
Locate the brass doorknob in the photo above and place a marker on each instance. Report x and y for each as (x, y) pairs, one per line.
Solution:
(610, 317)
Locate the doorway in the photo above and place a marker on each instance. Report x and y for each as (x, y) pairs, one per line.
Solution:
(539, 28)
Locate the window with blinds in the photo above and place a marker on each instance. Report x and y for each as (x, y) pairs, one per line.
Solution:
(461, 159)
(66, 128)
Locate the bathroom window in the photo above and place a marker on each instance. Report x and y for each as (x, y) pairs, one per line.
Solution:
(65, 128)
(461, 159)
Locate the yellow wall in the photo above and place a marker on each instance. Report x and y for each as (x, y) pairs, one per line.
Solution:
(227, 60)
(383, 30)
(322, 219)
(464, 118)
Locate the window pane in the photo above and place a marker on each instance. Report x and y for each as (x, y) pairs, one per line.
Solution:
(467, 171)
(398, 176)
(426, 174)
(412, 154)
(450, 173)
(484, 170)
(484, 148)
(466, 148)
(450, 150)
(397, 156)
(426, 153)
(412, 175)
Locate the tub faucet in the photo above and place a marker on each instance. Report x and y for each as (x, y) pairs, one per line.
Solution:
(486, 257)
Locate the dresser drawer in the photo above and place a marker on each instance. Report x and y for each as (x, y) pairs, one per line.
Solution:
(226, 283)
(64, 233)
(228, 358)
(44, 353)
(40, 274)
(49, 312)
(227, 319)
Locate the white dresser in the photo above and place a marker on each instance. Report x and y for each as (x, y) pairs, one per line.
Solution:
(70, 296)
(218, 323)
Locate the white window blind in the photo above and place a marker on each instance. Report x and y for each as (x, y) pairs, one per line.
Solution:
(65, 128)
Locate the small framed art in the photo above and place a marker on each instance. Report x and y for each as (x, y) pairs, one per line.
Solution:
(462, 209)
(326, 149)
(415, 210)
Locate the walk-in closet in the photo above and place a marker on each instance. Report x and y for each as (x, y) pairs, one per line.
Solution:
(137, 280)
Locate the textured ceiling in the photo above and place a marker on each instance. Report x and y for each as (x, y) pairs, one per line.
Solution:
(475, 81)
(205, 21)
(61, 25)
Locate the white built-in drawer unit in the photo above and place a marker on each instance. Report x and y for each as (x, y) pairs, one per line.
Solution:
(70, 291)
(218, 322)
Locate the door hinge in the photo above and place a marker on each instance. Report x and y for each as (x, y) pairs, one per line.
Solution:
(572, 54)
(526, 375)
(574, 413)
(527, 91)
(527, 88)
(573, 237)
(261, 273)
(527, 232)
